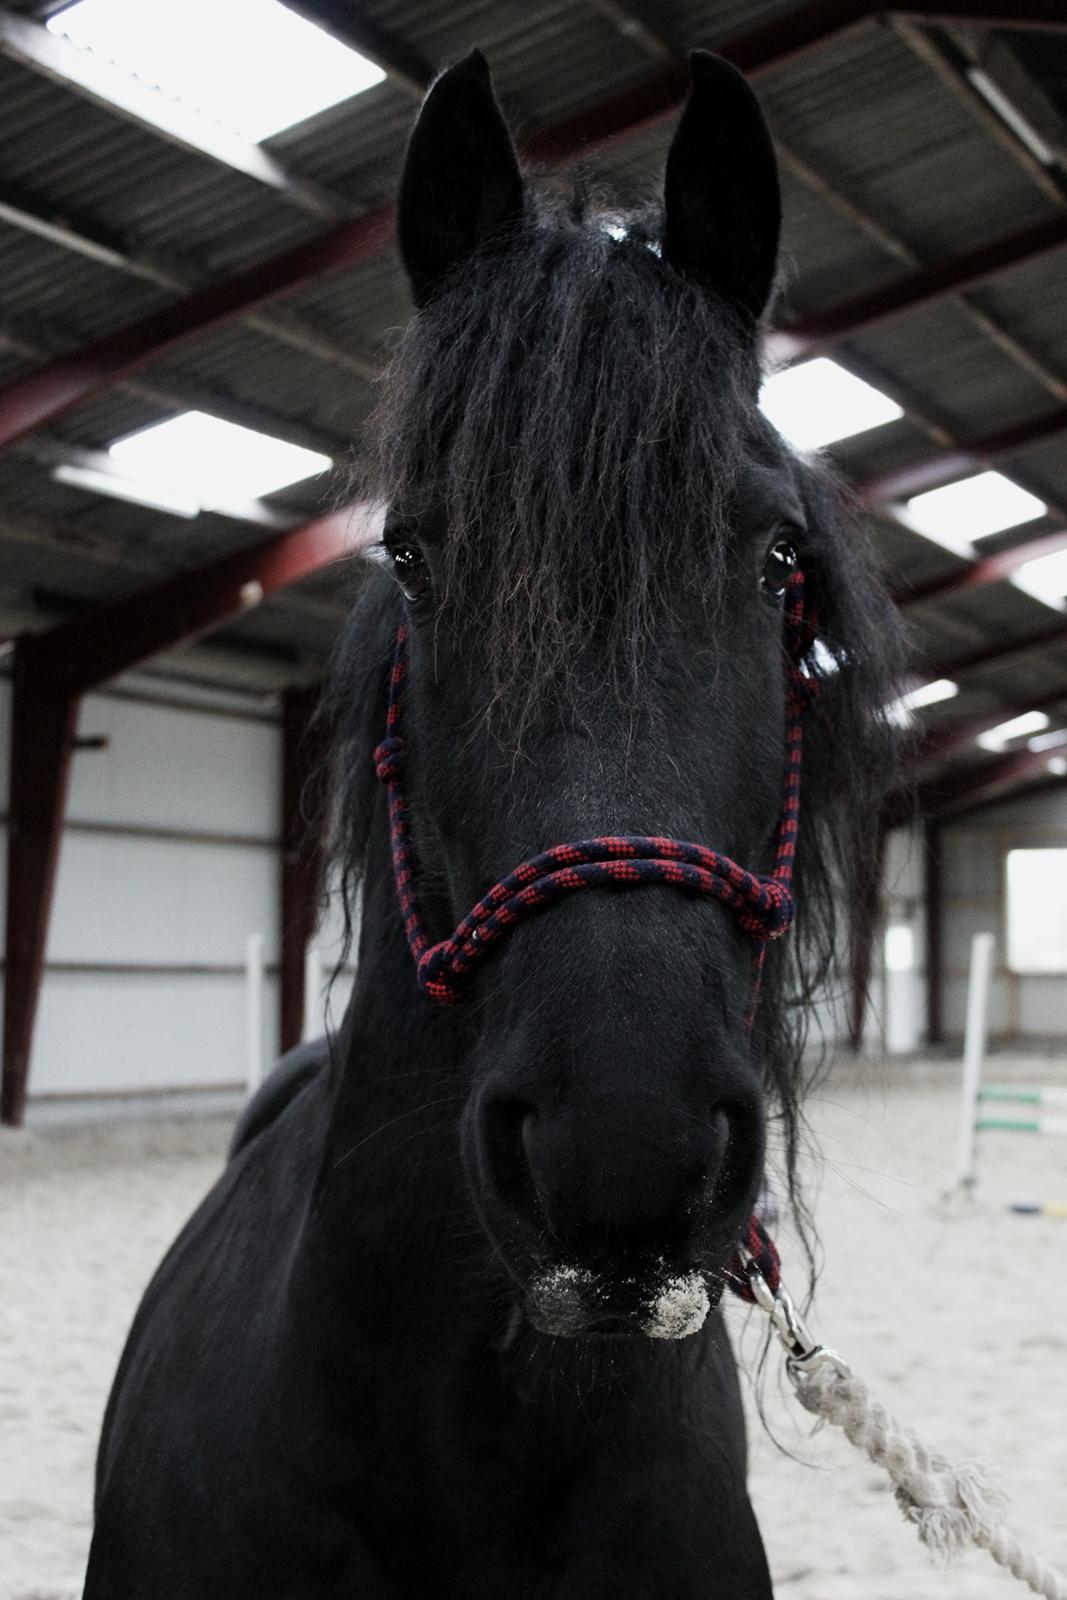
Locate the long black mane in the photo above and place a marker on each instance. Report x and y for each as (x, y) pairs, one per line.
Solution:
(577, 415)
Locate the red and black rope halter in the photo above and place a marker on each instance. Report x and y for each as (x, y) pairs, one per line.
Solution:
(763, 903)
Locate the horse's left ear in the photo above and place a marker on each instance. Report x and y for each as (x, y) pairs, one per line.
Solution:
(461, 185)
(722, 208)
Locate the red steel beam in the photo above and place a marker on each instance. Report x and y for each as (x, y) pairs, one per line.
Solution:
(940, 742)
(91, 649)
(1016, 790)
(916, 289)
(1001, 650)
(1040, 16)
(987, 569)
(53, 670)
(964, 790)
(900, 483)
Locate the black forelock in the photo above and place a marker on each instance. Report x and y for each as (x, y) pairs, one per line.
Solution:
(573, 411)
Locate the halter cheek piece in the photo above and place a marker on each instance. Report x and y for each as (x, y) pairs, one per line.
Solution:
(764, 904)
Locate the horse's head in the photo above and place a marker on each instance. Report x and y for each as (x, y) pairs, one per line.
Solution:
(591, 530)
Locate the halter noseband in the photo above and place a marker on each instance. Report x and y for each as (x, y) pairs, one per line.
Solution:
(764, 904)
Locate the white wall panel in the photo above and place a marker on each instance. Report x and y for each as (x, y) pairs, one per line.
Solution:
(954, 1004)
(122, 898)
(1042, 1004)
(971, 861)
(132, 1032)
(974, 889)
(1045, 809)
(165, 767)
(126, 900)
(962, 920)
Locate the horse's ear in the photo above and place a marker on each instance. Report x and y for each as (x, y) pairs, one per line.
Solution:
(461, 184)
(722, 208)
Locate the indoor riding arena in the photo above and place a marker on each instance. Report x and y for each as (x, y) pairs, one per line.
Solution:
(455, 455)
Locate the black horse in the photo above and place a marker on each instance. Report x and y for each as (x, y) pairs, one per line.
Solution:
(447, 1325)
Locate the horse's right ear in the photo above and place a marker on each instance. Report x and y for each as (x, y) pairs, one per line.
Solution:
(461, 184)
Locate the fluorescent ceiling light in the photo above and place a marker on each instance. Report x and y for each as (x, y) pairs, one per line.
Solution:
(158, 497)
(925, 694)
(1048, 741)
(251, 66)
(929, 694)
(1058, 766)
(213, 461)
(1000, 737)
(1009, 113)
(958, 513)
(818, 402)
(1045, 579)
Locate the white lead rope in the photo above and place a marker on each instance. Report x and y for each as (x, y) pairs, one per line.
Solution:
(952, 1504)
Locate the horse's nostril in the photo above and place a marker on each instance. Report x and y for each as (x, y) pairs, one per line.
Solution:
(506, 1131)
(735, 1166)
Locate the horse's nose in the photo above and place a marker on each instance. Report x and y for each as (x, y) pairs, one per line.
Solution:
(618, 1188)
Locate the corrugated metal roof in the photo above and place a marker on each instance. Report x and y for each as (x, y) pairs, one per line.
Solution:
(888, 142)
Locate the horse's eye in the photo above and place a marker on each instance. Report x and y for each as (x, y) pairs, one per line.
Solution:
(779, 566)
(412, 573)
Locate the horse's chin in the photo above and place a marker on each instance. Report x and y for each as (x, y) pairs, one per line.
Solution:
(571, 1302)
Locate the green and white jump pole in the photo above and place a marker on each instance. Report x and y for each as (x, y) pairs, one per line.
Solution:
(980, 1109)
(974, 1045)
(1004, 1094)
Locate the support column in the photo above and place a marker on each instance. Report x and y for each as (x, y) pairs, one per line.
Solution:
(43, 724)
(302, 855)
(867, 921)
(53, 670)
(933, 913)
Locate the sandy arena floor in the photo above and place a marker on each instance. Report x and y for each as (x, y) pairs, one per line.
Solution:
(957, 1316)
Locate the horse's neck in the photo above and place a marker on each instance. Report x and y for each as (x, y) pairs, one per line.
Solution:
(399, 1083)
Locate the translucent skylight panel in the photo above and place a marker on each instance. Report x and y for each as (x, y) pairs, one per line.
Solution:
(1045, 579)
(159, 497)
(818, 402)
(1048, 741)
(1001, 736)
(212, 460)
(251, 66)
(958, 513)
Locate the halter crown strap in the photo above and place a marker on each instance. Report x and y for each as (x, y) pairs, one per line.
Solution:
(764, 904)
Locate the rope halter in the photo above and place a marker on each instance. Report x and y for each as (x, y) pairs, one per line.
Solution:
(764, 905)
